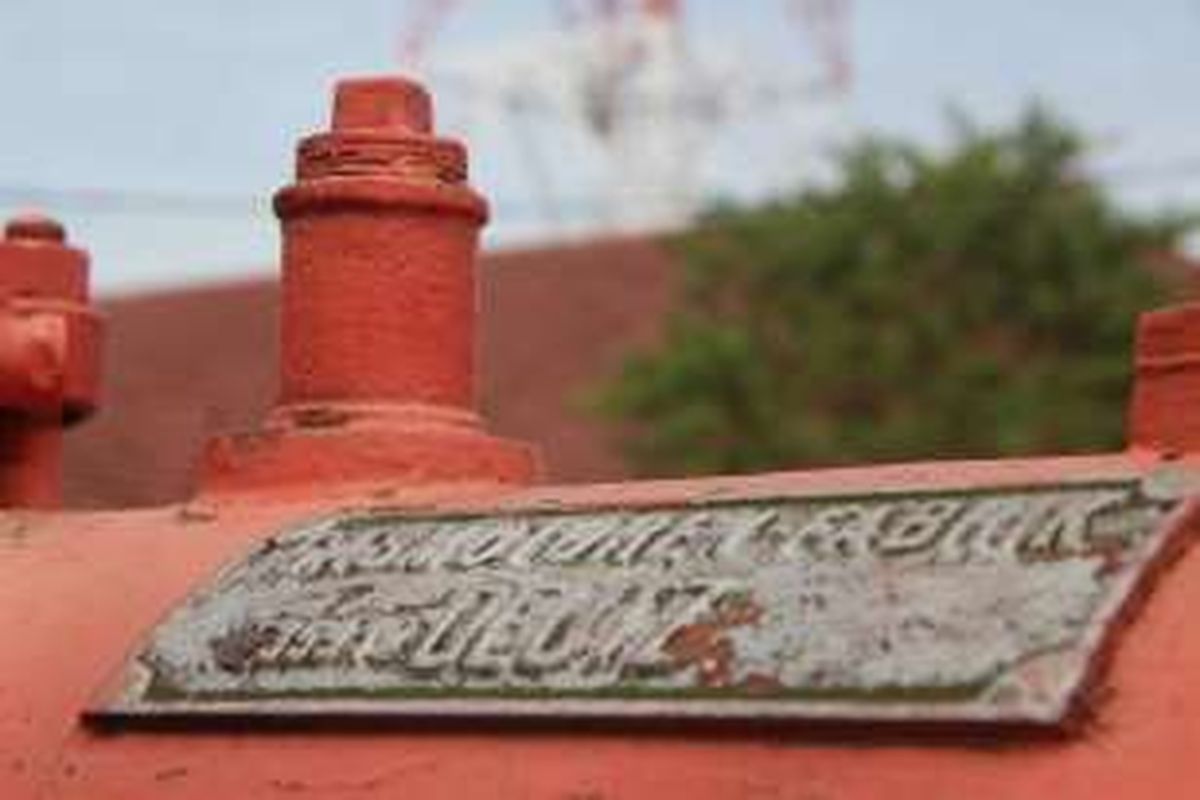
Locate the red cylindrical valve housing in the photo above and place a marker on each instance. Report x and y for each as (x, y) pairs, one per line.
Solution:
(380, 232)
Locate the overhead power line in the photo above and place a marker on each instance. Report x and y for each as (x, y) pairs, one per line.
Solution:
(119, 201)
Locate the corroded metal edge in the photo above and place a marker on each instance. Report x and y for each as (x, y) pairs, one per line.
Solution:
(1180, 528)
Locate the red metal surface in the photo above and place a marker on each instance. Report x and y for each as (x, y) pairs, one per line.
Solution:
(1167, 388)
(78, 593)
(358, 426)
(49, 357)
(380, 233)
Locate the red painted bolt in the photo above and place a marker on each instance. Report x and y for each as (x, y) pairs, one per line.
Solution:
(385, 104)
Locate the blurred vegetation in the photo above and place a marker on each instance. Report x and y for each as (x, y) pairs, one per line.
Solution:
(969, 300)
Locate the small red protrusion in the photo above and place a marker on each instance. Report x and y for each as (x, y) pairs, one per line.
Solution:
(34, 227)
(392, 104)
(1165, 411)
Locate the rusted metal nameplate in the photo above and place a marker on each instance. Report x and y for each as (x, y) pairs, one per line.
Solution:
(979, 606)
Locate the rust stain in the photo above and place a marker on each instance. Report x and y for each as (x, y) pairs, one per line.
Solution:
(14, 531)
(372, 784)
(704, 645)
(320, 417)
(234, 650)
(192, 514)
(170, 774)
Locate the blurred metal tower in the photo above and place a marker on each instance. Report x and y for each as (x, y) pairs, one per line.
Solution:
(628, 74)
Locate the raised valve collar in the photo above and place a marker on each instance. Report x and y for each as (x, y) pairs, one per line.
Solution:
(37, 262)
(382, 129)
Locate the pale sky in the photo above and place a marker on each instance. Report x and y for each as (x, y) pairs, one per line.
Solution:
(158, 129)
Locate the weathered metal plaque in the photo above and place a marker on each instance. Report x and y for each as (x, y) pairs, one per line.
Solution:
(941, 606)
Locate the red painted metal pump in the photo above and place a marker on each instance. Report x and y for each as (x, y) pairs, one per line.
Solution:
(49, 357)
(371, 597)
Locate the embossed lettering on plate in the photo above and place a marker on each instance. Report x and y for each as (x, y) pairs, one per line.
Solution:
(967, 606)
